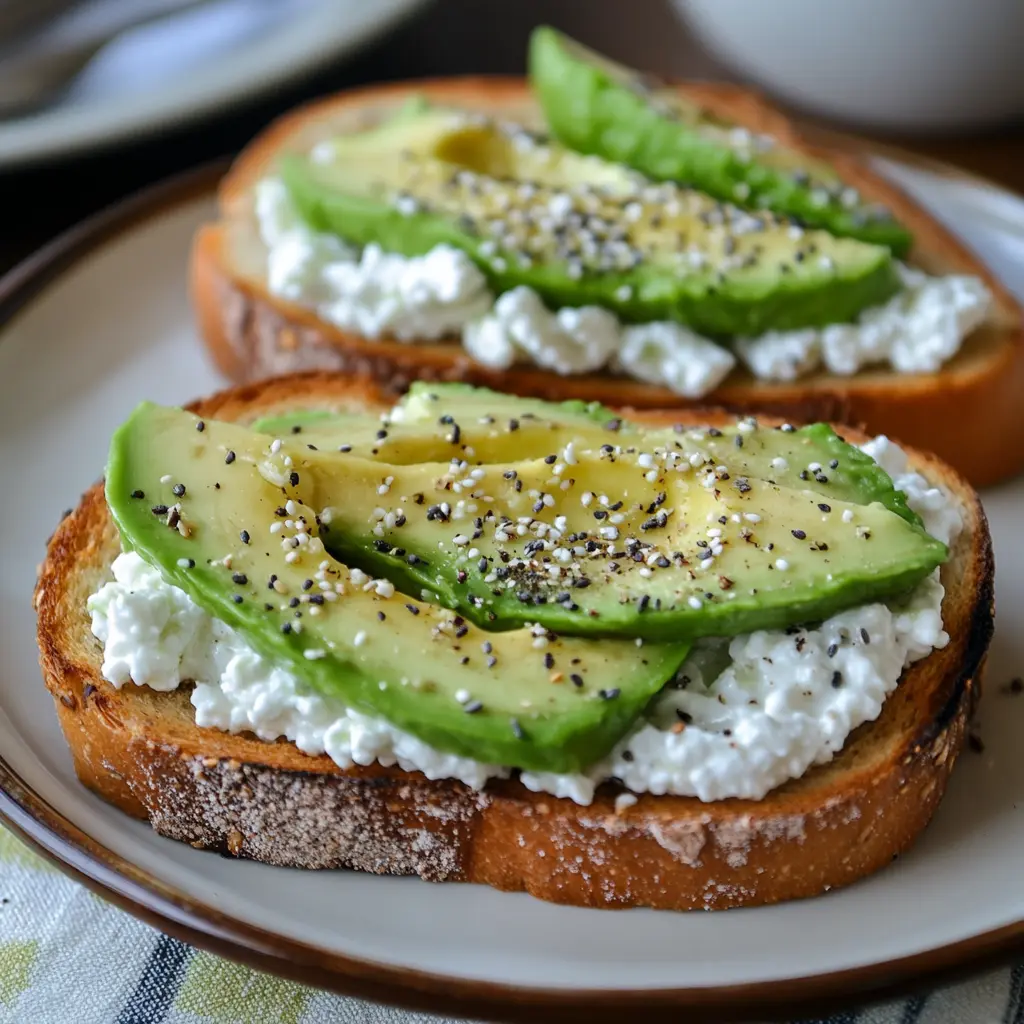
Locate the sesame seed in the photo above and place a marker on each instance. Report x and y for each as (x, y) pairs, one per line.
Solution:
(240, 578)
(244, 536)
(229, 458)
(799, 534)
(473, 707)
(138, 494)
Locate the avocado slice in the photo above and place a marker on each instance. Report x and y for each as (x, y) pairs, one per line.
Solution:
(526, 698)
(418, 429)
(434, 422)
(594, 105)
(581, 231)
(614, 542)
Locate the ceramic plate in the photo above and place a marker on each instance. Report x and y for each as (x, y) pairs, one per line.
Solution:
(103, 322)
(191, 64)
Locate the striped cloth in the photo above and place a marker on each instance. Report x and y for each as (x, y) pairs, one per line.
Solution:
(66, 957)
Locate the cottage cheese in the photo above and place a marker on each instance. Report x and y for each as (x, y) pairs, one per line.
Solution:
(917, 331)
(443, 294)
(762, 708)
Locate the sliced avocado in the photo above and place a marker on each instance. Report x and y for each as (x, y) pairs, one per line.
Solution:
(438, 422)
(617, 542)
(229, 539)
(581, 231)
(418, 429)
(596, 106)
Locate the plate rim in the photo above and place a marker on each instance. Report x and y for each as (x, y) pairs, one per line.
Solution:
(173, 911)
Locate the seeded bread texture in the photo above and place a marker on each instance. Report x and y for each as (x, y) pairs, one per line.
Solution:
(142, 751)
(253, 335)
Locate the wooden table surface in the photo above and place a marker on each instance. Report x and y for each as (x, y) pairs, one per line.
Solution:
(449, 37)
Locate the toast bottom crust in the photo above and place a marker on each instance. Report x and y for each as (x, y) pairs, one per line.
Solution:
(142, 751)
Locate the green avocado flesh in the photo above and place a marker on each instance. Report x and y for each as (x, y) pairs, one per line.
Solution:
(579, 230)
(595, 106)
(525, 698)
(440, 422)
(619, 541)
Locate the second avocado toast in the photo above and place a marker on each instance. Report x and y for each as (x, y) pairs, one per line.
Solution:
(632, 243)
(476, 623)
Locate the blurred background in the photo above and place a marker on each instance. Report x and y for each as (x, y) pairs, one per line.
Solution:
(101, 97)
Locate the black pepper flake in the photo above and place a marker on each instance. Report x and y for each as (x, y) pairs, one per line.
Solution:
(609, 694)
(837, 679)
(237, 598)
(138, 494)
(576, 679)
(229, 458)
(513, 424)
(643, 602)
(799, 534)
(240, 578)
(178, 490)
(281, 511)
(316, 598)
(286, 627)
(268, 607)
(824, 507)
(294, 603)
(159, 510)
(382, 546)
(293, 478)
(461, 632)
(381, 616)
(581, 582)
(412, 608)
(244, 536)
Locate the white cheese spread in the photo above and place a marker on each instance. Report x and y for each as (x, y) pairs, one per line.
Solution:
(917, 331)
(443, 294)
(758, 710)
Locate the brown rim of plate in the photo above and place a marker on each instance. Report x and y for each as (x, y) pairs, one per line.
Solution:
(143, 895)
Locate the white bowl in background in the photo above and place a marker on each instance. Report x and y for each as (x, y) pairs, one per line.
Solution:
(906, 64)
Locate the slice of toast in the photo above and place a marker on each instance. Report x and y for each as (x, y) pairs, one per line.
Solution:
(253, 335)
(142, 751)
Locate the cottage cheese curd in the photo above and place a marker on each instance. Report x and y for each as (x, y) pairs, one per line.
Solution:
(760, 708)
(917, 331)
(444, 294)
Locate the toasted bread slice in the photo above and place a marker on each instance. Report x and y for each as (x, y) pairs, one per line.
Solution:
(253, 335)
(142, 751)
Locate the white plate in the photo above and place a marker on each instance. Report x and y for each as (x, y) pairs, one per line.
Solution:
(192, 64)
(115, 328)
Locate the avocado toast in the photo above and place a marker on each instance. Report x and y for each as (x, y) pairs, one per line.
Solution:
(434, 231)
(200, 771)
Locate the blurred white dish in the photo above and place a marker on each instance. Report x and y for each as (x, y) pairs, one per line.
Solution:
(192, 64)
(906, 64)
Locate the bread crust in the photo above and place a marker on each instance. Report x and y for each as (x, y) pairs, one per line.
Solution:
(238, 795)
(253, 335)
